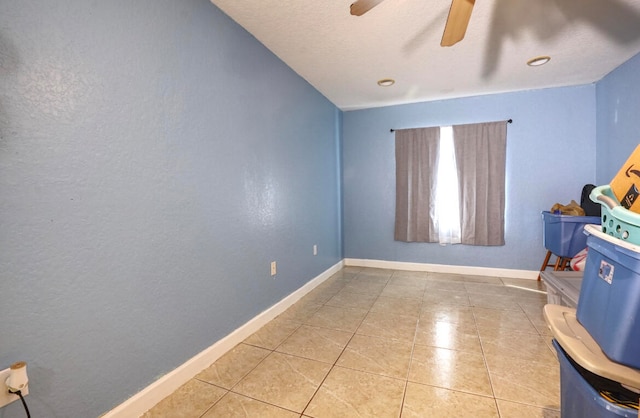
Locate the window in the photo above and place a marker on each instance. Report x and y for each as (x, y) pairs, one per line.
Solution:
(450, 184)
(447, 201)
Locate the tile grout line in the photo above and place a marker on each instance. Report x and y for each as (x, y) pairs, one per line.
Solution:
(486, 365)
(484, 359)
(413, 347)
(230, 390)
(335, 362)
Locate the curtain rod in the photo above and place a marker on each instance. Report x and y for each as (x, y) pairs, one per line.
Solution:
(393, 130)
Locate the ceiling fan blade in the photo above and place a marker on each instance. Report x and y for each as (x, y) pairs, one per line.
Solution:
(361, 7)
(457, 21)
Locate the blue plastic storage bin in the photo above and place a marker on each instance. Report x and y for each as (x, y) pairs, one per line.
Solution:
(563, 234)
(578, 399)
(609, 303)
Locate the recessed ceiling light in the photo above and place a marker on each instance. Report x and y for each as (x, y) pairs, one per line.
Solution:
(386, 82)
(538, 61)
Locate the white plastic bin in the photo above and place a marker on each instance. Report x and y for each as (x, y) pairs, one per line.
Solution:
(563, 287)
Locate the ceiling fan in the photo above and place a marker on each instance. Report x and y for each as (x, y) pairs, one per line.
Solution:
(457, 21)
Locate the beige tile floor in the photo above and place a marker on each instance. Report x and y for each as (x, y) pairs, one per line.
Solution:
(384, 343)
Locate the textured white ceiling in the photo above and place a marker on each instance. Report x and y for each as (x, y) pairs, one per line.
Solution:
(343, 56)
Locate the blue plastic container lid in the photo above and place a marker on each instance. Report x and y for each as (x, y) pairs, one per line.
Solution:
(625, 247)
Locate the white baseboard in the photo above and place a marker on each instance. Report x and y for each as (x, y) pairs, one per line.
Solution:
(141, 402)
(442, 268)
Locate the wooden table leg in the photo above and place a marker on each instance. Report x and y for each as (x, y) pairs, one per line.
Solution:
(545, 264)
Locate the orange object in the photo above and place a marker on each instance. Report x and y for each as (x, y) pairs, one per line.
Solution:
(626, 184)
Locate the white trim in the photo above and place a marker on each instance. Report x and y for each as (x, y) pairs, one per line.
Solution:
(443, 268)
(142, 401)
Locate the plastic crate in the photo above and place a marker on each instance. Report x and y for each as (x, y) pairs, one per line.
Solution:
(609, 303)
(563, 287)
(616, 220)
(579, 398)
(563, 234)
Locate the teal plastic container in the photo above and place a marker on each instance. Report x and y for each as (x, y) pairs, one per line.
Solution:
(616, 220)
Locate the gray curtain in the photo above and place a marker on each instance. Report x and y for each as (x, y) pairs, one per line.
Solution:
(481, 161)
(416, 157)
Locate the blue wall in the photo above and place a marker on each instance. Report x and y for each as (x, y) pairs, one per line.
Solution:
(154, 158)
(550, 156)
(618, 118)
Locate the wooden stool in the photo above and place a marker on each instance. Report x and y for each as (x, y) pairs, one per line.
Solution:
(561, 264)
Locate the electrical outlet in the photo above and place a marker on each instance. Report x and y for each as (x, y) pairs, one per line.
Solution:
(315, 249)
(6, 397)
(273, 268)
